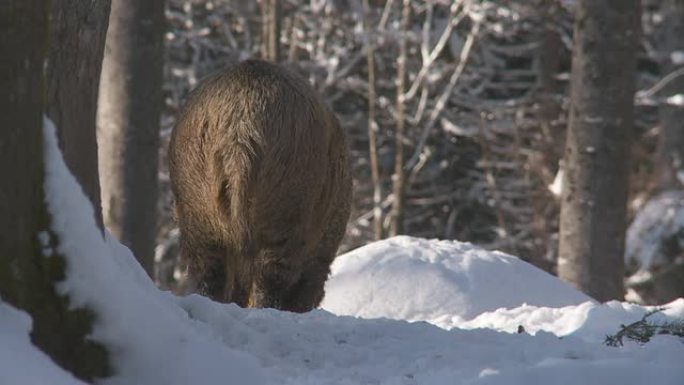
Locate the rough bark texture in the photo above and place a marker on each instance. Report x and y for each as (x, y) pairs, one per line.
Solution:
(77, 37)
(27, 277)
(128, 124)
(592, 224)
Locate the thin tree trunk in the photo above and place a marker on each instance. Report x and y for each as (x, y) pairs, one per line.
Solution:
(398, 179)
(548, 66)
(548, 60)
(77, 31)
(274, 30)
(271, 19)
(128, 124)
(671, 154)
(372, 127)
(593, 208)
(27, 276)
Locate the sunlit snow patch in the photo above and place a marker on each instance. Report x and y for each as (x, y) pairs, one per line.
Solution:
(437, 281)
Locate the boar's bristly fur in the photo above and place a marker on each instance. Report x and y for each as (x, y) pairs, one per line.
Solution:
(260, 176)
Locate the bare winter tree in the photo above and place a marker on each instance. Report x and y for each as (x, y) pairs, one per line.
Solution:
(27, 277)
(128, 124)
(372, 125)
(594, 199)
(399, 177)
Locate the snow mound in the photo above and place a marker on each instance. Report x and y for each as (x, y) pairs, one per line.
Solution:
(442, 282)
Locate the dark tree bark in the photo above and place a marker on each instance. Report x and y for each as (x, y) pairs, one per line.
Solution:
(22, 40)
(77, 36)
(128, 124)
(27, 277)
(593, 208)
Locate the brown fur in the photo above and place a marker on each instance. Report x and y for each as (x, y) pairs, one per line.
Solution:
(261, 180)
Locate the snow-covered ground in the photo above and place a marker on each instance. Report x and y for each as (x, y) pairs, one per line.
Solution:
(465, 305)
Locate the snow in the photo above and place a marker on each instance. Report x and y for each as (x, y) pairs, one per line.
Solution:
(152, 340)
(556, 187)
(676, 100)
(464, 303)
(20, 361)
(416, 279)
(677, 57)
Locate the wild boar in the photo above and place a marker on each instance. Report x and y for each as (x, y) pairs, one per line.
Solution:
(260, 176)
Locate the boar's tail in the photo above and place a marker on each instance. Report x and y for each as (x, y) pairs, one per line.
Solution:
(238, 165)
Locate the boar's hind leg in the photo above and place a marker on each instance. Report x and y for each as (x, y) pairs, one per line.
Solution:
(307, 293)
(235, 290)
(272, 281)
(209, 277)
(205, 262)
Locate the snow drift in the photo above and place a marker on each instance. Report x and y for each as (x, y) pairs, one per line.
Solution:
(420, 280)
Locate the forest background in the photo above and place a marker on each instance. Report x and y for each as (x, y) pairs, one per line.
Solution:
(480, 129)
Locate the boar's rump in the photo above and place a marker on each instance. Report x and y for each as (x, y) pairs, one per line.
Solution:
(260, 176)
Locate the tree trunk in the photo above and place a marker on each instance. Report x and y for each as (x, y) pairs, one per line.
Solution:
(128, 124)
(27, 276)
(398, 179)
(372, 126)
(271, 18)
(593, 208)
(548, 66)
(671, 154)
(77, 31)
(22, 47)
